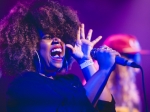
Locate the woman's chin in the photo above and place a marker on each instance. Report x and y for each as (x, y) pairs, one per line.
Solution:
(55, 67)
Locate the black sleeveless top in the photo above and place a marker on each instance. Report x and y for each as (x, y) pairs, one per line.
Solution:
(31, 92)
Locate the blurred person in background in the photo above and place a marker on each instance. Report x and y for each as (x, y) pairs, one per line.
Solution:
(122, 82)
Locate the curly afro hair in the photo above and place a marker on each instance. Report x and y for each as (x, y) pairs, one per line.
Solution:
(22, 29)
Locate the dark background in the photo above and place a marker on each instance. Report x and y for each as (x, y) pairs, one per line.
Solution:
(105, 17)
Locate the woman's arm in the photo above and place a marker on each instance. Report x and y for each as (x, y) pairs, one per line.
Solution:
(88, 72)
(95, 87)
(105, 58)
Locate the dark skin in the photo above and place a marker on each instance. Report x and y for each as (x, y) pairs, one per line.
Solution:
(81, 52)
(20, 38)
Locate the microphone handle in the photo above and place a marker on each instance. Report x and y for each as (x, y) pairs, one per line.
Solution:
(125, 62)
(118, 60)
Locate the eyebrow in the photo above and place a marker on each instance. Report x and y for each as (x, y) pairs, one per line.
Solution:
(45, 36)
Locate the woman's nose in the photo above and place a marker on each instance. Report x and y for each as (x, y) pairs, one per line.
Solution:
(55, 41)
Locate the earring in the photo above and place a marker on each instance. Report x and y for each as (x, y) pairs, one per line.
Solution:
(66, 62)
(39, 61)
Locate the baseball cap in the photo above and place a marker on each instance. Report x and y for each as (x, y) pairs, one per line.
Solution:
(125, 43)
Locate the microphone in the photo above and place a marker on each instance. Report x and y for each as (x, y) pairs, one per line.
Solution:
(118, 60)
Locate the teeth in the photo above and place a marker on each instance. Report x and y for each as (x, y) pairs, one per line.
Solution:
(56, 56)
(57, 49)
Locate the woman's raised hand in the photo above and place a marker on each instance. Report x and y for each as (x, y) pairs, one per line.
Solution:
(83, 45)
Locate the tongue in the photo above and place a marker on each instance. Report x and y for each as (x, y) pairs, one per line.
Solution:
(56, 53)
(56, 56)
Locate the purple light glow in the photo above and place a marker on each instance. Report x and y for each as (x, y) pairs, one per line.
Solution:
(105, 17)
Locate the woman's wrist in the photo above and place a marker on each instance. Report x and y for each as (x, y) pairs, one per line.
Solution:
(86, 63)
(82, 60)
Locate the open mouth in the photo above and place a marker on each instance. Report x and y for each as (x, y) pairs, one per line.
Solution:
(57, 53)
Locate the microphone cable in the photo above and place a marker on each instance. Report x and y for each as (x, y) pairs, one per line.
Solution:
(144, 90)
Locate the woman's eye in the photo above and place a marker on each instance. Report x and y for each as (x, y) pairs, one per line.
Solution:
(46, 38)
